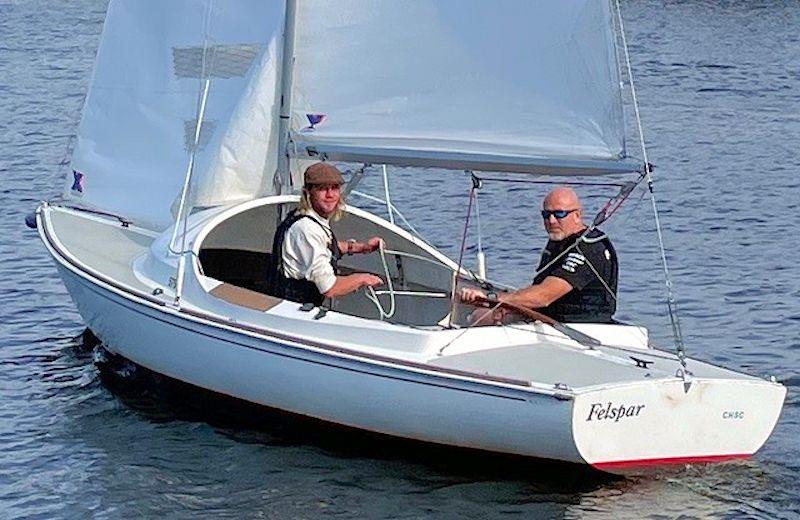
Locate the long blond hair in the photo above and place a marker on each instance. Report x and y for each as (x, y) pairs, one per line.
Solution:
(305, 205)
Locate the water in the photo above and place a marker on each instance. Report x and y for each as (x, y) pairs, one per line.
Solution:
(719, 89)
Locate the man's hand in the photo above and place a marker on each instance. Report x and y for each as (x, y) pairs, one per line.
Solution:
(366, 279)
(373, 244)
(352, 282)
(471, 295)
(351, 247)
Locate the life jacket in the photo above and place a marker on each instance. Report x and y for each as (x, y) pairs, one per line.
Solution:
(280, 285)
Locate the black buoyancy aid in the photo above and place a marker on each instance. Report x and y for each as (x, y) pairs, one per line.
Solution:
(280, 285)
(593, 303)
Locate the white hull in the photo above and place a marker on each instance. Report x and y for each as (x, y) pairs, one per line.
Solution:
(610, 425)
(381, 399)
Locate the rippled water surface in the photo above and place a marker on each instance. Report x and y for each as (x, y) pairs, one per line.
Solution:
(719, 86)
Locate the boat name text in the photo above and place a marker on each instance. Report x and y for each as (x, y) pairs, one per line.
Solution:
(611, 411)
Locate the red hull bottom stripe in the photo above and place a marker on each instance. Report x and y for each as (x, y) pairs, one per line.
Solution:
(619, 464)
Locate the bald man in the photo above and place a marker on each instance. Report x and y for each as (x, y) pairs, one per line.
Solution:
(577, 280)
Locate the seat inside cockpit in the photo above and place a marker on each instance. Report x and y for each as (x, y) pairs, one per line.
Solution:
(238, 250)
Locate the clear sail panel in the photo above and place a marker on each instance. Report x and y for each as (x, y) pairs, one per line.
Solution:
(140, 115)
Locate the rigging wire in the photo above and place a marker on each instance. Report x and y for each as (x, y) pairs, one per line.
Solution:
(481, 257)
(596, 274)
(605, 213)
(182, 218)
(396, 211)
(386, 194)
(673, 316)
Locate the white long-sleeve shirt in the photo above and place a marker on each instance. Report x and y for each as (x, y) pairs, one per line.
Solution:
(306, 253)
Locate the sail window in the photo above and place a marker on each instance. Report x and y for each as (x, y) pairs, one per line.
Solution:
(206, 131)
(222, 61)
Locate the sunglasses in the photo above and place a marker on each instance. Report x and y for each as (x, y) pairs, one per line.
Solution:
(558, 213)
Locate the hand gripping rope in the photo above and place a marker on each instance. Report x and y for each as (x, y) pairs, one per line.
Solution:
(373, 297)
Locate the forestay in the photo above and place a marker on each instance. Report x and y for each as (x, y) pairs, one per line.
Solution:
(511, 85)
(140, 113)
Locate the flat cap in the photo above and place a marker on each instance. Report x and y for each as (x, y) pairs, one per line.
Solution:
(322, 173)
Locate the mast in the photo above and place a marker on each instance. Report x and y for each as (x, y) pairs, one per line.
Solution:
(283, 176)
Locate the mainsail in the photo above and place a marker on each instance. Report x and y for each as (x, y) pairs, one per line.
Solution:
(512, 85)
(140, 113)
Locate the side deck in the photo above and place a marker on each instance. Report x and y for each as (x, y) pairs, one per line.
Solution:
(104, 246)
(526, 354)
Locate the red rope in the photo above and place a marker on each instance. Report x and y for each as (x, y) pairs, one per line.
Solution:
(466, 228)
(461, 254)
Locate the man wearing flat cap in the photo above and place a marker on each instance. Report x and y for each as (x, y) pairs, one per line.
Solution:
(305, 251)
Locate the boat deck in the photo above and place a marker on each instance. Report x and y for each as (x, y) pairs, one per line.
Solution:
(103, 245)
(531, 357)
(556, 363)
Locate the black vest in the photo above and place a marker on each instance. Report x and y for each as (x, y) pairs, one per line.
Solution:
(280, 285)
(592, 303)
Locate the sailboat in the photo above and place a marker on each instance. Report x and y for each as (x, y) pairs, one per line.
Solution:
(198, 123)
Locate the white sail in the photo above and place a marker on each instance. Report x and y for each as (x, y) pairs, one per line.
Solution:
(139, 117)
(516, 85)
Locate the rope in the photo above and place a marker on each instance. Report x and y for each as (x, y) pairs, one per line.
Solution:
(463, 247)
(480, 257)
(373, 297)
(608, 210)
(416, 257)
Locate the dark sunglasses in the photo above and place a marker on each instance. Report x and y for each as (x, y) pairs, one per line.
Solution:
(558, 213)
